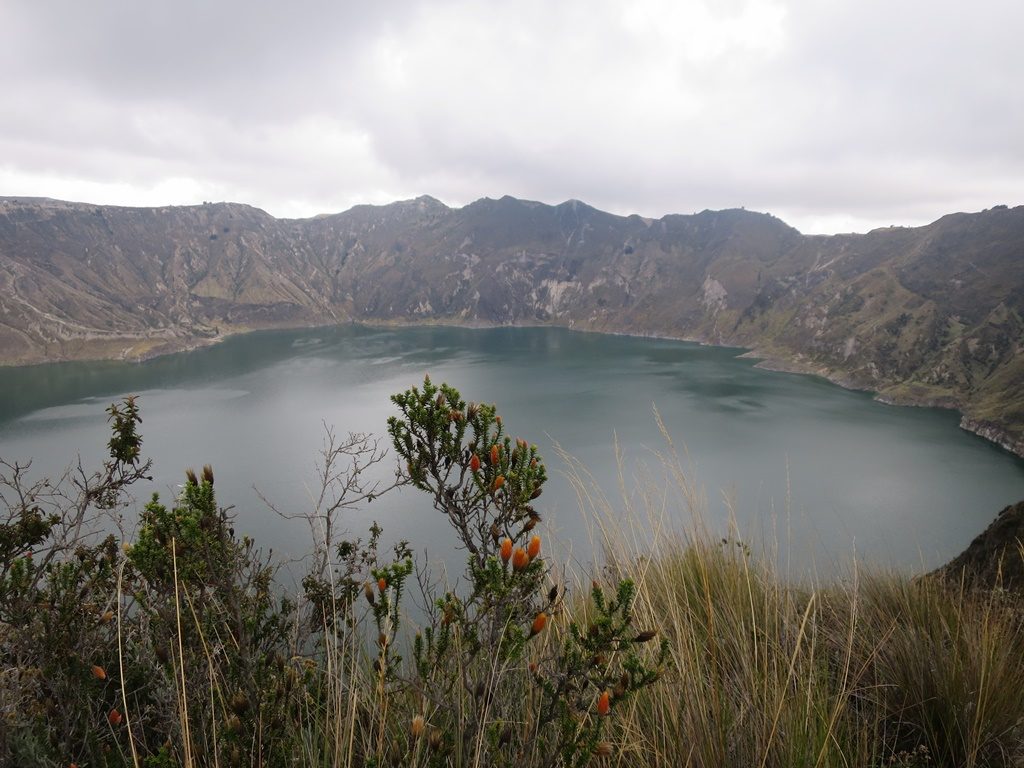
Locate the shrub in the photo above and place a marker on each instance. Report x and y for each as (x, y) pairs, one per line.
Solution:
(58, 586)
(493, 681)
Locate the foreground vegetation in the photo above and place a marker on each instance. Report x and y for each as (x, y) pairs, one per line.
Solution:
(178, 648)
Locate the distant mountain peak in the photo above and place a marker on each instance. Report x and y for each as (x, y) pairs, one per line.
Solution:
(428, 201)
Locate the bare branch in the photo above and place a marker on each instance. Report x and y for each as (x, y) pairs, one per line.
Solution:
(343, 484)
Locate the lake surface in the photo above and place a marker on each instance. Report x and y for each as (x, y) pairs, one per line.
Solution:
(823, 471)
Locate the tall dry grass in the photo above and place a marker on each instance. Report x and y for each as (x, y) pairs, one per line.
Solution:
(871, 669)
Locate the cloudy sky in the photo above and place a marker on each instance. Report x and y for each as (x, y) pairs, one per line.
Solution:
(835, 115)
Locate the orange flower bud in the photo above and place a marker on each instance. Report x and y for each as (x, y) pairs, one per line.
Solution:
(499, 481)
(417, 726)
(534, 547)
(382, 583)
(539, 623)
(495, 453)
(114, 717)
(474, 463)
(98, 672)
(604, 703)
(506, 549)
(520, 559)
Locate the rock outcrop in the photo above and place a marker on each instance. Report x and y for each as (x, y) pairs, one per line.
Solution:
(995, 559)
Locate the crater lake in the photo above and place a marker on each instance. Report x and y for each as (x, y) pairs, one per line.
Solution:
(817, 472)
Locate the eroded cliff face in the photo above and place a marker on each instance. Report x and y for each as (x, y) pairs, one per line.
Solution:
(929, 315)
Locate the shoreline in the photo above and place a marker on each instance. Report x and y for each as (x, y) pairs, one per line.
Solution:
(766, 360)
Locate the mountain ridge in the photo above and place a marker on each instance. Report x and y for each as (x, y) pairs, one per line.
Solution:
(920, 315)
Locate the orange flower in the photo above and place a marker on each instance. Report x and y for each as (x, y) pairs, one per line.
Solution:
(499, 481)
(98, 672)
(382, 583)
(114, 717)
(506, 549)
(495, 452)
(539, 623)
(534, 548)
(604, 703)
(520, 559)
(474, 463)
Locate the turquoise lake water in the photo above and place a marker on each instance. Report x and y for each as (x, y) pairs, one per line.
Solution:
(820, 471)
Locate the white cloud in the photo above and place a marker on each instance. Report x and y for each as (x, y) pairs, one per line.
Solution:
(826, 113)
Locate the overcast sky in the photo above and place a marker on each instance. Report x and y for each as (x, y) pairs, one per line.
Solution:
(834, 115)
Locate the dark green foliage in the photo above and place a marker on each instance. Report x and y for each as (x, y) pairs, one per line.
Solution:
(58, 592)
(206, 609)
(188, 613)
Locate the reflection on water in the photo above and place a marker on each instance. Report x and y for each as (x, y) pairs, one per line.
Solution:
(819, 469)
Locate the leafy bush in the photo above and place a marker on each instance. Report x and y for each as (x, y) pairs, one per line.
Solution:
(492, 685)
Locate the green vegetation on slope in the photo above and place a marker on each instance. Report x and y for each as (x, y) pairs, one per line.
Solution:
(178, 649)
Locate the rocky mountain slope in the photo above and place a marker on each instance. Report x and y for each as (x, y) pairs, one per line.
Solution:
(995, 559)
(927, 315)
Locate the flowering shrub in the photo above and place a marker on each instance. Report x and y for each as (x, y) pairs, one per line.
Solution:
(178, 648)
(489, 681)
